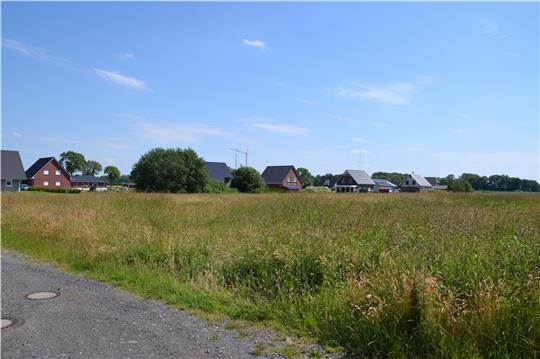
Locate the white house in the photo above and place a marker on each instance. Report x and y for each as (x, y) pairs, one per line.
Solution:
(414, 183)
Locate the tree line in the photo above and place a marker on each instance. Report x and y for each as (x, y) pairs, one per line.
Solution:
(75, 163)
(182, 170)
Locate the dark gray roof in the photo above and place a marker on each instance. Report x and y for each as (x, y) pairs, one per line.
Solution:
(360, 177)
(218, 170)
(87, 179)
(383, 183)
(276, 174)
(433, 180)
(39, 164)
(12, 167)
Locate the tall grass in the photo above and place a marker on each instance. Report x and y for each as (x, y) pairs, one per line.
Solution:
(436, 274)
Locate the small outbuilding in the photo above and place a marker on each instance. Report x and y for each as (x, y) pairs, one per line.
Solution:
(13, 173)
(415, 183)
(384, 186)
(48, 172)
(435, 182)
(282, 177)
(354, 181)
(89, 183)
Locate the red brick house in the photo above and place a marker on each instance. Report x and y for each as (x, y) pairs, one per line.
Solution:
(48, 172)
(283, 177)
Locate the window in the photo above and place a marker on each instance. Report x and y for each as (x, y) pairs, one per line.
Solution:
(414, 182)
(289, 180)
(9, 183)
(46, 172)
(46, 183)
(407, 182)
(58, 172)
(294, 180)
(57, 183)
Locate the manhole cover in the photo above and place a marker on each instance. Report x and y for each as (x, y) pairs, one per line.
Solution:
(42, 295)
(10, 322)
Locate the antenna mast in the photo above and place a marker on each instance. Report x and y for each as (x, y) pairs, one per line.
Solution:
(237, 151)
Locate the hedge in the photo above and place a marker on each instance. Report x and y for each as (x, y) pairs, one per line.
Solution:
(55, 190)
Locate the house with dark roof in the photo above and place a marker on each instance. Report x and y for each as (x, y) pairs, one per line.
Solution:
(48, 172)
(384, 186)
(282, 177)
(414, 183)
(89, 183)
(12, 171)
(219, 171)
(354, 181)
(435, 182)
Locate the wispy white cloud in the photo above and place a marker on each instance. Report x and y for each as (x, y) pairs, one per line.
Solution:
(360, 140)
(359, 151)
(398, 93)
(174, 133)
(258, 44)
(96, 143)
(34, 52)
(491, 29)
(16, 134)
(122, 80)
(307, 102)
(281, 128)
(460, 131)
(127, 55)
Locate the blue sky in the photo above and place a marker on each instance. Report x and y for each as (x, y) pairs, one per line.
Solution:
(434, 88)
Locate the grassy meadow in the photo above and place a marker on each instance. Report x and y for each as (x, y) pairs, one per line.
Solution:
(400, 275)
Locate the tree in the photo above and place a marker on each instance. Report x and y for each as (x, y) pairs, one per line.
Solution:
(170, 170)
(113, 173)
(306, 176)
(327, 179)
(247, 179)
(91, 168)
(72, 161)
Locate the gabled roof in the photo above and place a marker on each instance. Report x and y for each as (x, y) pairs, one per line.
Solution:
(383, 183)
(87, 179)
(276, 174)
(420, 180)
(39, 164)
(12, 167)
(218, 170)
(360, 177)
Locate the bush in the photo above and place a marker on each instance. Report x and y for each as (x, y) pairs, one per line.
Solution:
(54, 190)
(215, 186)
(170, 170)
(459, 185)
(247, 179)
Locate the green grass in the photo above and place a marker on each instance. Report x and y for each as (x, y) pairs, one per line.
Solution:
(434, 274)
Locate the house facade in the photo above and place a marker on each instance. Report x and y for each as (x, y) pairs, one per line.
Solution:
(13, 173)
(219, 171)
(87, 183)
(282, 177)
(354, 181)
(48, 172)
(384, 186)
(414, 183)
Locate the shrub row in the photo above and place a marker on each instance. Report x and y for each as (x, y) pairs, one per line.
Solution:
(54, 190)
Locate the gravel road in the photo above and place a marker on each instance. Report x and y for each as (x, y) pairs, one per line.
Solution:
(90, 319)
